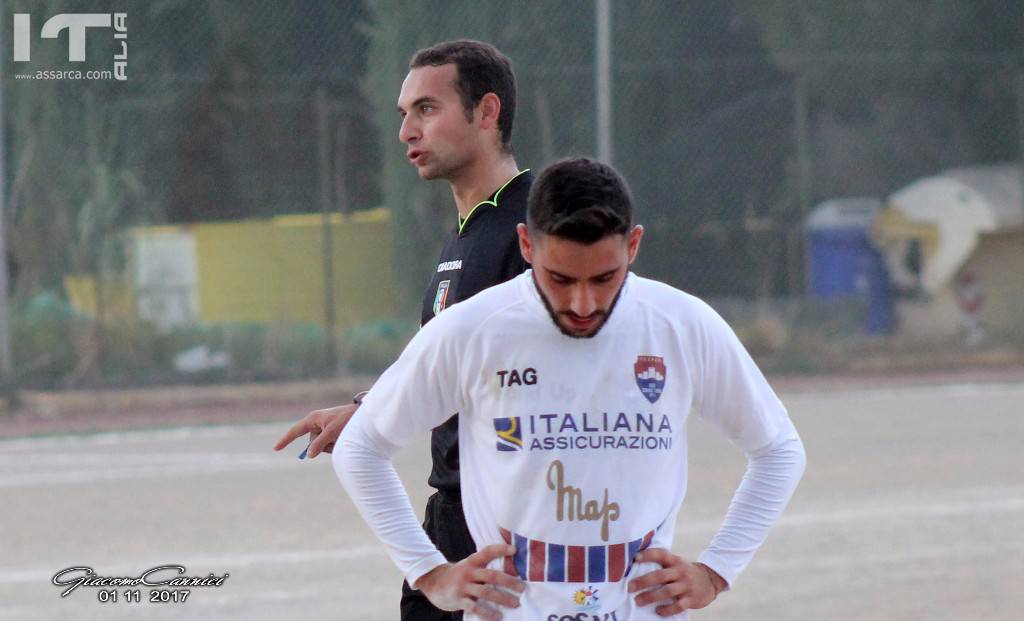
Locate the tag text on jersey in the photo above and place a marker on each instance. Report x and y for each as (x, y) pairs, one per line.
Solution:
(569, 504)
(515, 378)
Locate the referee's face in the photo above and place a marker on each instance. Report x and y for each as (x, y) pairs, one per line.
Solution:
(579, 283)
(441, 140)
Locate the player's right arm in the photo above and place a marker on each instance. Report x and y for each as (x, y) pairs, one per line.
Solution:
(421, 390)
(468, 585)
(370, 479)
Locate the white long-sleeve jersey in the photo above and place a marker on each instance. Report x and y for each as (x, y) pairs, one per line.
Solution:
(573, 450)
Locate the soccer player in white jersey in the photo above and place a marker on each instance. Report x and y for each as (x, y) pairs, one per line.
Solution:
(573, 384)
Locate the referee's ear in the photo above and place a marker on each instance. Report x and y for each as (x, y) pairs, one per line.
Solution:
(490, 111)
(525, 245)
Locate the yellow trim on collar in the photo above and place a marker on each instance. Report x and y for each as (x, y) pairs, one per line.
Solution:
(494, 203)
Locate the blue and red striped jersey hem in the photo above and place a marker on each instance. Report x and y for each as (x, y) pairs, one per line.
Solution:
(541, 561)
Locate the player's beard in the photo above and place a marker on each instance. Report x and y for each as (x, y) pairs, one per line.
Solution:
(602, 314)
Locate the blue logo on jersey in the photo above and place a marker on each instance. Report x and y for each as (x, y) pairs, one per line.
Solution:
(510, 433)
(650, 376)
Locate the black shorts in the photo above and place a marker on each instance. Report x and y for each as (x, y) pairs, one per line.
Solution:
(445, 524)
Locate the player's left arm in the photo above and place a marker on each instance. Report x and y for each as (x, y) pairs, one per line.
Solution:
(734, 397)
(679, 585)
(769, 482)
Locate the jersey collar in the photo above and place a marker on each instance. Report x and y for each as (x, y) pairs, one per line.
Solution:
(492, 201)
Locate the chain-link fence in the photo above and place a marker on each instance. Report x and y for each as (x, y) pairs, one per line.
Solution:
(732, 121)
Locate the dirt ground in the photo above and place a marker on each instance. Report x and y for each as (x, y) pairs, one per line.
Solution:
(910, 508)
(80, 411)
(49, 413)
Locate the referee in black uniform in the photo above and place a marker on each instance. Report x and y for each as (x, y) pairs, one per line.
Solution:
(457, 106)
(482, 252)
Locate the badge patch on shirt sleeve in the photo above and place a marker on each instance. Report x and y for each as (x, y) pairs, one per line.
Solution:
(650, 376)
(442, 296)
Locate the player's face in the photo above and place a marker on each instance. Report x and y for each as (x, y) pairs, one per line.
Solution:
(579, 283)
(440, 139)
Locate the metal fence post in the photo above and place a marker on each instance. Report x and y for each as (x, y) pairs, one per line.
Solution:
(6, 366)
(323, 136)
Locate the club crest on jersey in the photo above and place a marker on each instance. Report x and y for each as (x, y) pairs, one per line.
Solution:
(650, 376)
(442, 296)
(510, 433)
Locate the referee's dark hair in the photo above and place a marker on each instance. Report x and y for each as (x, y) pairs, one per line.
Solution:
(580, 199)
(481, 69)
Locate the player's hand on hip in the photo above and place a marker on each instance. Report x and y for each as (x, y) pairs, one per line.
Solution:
(469, 585)
(323, 426)
(678, 586)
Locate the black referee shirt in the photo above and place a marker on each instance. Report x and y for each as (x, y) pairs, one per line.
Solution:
(482, 252)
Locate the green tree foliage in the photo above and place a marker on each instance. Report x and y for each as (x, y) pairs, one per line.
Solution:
(700, 115)
(700, 112)
(245, 77)
(899, 89)
(216, 121)
(74, 168)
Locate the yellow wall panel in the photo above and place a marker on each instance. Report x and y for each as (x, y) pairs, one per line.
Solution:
(272, 270)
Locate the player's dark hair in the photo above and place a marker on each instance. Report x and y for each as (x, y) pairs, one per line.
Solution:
(480, 69)
(580, 199)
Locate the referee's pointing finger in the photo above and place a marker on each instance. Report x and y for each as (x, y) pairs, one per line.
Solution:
(300, 428)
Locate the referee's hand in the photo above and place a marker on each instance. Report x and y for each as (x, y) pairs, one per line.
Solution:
(323, 426)
(468, 585)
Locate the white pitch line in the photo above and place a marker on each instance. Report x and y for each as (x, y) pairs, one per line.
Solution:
(876, 514)
(175, 434)
(373, 601)
(201, 565)
(923, 391)
(77, 477)
(377, 597)
(894, 557)
(935, 510)
(190, 432)
(88, 459)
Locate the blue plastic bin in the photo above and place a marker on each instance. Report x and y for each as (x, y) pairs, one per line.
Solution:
(843, 263)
